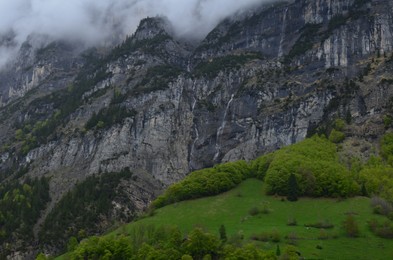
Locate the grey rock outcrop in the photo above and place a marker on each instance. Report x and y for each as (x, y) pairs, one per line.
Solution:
(292, 66)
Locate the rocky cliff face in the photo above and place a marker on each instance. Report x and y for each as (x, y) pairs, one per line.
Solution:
(256, 83)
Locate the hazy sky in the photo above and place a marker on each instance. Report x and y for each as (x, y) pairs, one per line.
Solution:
(94, 21)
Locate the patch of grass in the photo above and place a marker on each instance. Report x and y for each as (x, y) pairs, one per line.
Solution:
(229, 209)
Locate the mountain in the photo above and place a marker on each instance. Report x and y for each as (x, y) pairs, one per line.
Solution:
(159, 107)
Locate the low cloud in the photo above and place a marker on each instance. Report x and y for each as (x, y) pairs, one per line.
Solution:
(93, 22)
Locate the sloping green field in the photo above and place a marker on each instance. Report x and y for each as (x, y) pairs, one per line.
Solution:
(232, 210)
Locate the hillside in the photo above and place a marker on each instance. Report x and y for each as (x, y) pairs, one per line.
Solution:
(90, 137)
(349, 225)
(234, 210)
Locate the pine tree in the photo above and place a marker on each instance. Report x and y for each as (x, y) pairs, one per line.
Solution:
(278, 251)
(223, 233)
(293, 188)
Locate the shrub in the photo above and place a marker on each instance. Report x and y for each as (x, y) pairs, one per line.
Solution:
(381, 206)
(384, 230)
(350, 226)
(323, 234)
(336, 136)
(260, 165)
(293, 188)
(325, 224)
(254, 211)
(292, 238)
(387, 146)
(271, 236)
(292, 222)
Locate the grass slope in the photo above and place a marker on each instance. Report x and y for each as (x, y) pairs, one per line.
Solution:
(232, 210)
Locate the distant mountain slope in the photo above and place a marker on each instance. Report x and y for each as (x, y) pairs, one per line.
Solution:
(161, 108)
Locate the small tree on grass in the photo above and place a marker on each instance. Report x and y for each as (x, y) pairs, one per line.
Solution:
(351, 227)
(223, 233)
(293, 188)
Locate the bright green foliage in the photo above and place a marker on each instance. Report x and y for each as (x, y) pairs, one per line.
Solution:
(230, 209)
(249, 251)
(41, 256)
(378, 180)
(315, 164)
(205, 182)
(199, 244)
(103, 248)
(290, 253)
(260, 165)
(148, 242)
(387, 147)
(336, 136)
(72, 244)
(339, 124)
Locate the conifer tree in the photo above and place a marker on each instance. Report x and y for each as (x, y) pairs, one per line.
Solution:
(293, 188)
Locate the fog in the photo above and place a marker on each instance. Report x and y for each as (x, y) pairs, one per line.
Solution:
(94, 22)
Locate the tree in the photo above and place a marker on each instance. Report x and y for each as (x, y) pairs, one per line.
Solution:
(72, 244)
(278, 251)
(200, 244)
(223, 233)
(293, 188)
(364, 190)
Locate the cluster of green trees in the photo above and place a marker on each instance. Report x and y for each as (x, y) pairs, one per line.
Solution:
(108, 116)
(20, 207)
(313, 163)
(317, 168)
(206, 182)
(212, 68)
(157, 78)
(148, 242)
(80, 211)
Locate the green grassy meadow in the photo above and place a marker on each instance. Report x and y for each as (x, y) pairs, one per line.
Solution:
(232, 210)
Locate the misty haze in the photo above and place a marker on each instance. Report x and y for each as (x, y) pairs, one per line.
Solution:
(96, 22)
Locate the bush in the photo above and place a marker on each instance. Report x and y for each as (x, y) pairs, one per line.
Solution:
(260, 165)
(292, 222)
(336, 136)
(381, 206)
(292, 238)
(254, 211)
(350, 226)
(387, 146)
(323, 234)
(384, 230)
(325, 224)
(272, 236)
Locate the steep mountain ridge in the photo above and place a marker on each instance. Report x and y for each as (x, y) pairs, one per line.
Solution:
(161, 108)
